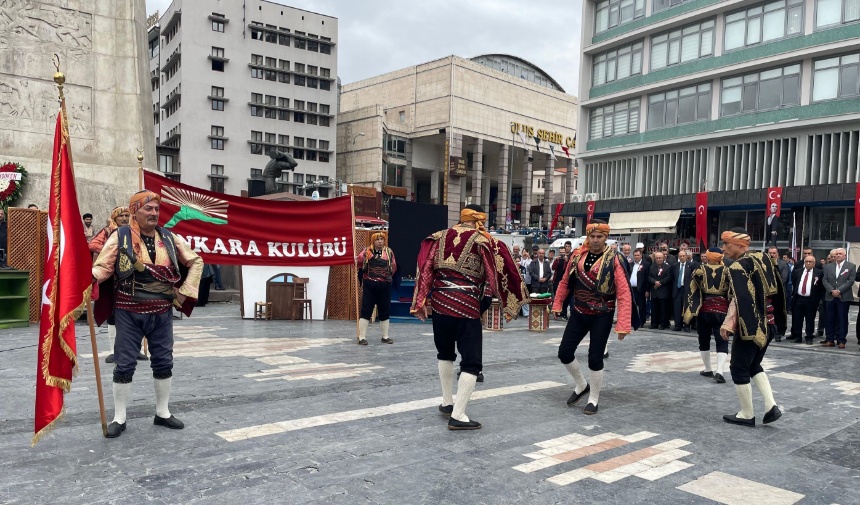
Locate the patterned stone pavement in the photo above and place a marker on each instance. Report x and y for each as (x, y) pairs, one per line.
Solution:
(283, 412)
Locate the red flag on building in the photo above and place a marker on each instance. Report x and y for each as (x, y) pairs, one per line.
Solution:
(774, 201)
(702, 219)
(590, 212)
(66, 288)
(857, 205)
(556, 219)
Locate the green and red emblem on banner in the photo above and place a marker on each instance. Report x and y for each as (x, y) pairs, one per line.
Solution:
(232, 230)
(13, 176)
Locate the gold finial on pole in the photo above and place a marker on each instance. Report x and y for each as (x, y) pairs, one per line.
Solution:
(59, 77)
(140, 157)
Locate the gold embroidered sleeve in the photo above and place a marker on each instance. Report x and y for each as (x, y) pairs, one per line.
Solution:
(104, 265)
(189, 258)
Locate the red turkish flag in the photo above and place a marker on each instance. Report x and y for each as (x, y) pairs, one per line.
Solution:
(590, 212)
(66, 290)
(556, 219)
(857, 205)
(702, 219)
(774, 201)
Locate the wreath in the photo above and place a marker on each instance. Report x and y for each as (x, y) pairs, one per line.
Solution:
(10, 188)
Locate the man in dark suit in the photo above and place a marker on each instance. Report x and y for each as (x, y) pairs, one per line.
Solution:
(639, 287)
(540, 271)
(785, 274)
(808, 291)
(627, 258)
(681, 274)
(670, 260)
(838, 281)
(660, 280)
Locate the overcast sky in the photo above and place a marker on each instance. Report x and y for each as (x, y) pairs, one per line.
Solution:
(378, 36)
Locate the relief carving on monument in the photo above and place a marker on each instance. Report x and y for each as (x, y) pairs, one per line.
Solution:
(32, 32)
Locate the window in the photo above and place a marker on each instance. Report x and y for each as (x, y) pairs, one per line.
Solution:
(325, 48)
(153, 48)
(299, 141)
(257, 111)
(299, 80)
(256, 173)
(324, 109)
(216, 184)
(393, 175)
(284, 64)
(313, 82)
(312, 70)
(257, 97)
(298, 154)
(284, 140)
(325, 121)
(257, 73)
(298, 43)
(312, 107)
(311, 119)
(395, 146)
(217, 91)
(322, 157)
(270, 113)
(402, 116)
(312, 143)
(256, 137)
(217, 66)
(298, 178)
(216, 170)
(661, 5)
(324, 145)
(682, 45)
(771, 89)
(271, 75)
(284, 102)
(763, 23)
(611, 13)
(217, 52)
(837, 77)
(313, 45)
(284, 77)
(218, 105)
(217, 143)
(256, 59)
(614, 120)
(325, 85)
(618, 63)
(679, 106)
(325, 72)
(299, 104)
(834, 12)
(256, 34)
(311, 155)
(299, 68)
(270, 36)
(284, 115)
(271, 62)
(283, 40)
(217, 26)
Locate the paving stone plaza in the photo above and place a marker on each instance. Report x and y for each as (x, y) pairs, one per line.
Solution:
(283, 412)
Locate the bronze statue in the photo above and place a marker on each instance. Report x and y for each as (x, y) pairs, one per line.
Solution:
(280, 161)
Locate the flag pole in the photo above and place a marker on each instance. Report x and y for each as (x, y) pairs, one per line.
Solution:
(141, 188)
(60, 79)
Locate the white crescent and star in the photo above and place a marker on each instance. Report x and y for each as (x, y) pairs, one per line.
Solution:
(45, 299)
(701, 209)
(773, 196)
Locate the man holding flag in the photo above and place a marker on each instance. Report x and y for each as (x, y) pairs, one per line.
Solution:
(145, 263)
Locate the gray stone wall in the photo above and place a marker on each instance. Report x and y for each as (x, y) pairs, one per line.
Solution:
(103, 50)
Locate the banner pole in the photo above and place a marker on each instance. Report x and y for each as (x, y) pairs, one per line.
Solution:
(141, 188)
(354, 270)
(97, 365)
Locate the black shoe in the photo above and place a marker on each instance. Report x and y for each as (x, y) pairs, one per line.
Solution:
(819, 333)
(454, 424)
(606, 355)
(115, 429)
(677, 328)
(142, 357)
(590, 409)
(718, 377)
(575, 397)
(386, 340)
(653, 327)
(171, 422)
(772, 415)
(446, 410)
(362, 342)
(480, 377)
(664, 327)
(778, 338)
(734, 419)
(687, 329)
(809, 341)
(109, 359)
(706, 374)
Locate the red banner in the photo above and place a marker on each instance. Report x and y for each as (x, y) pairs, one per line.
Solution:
(774, 201)
(66, 288)
(556, 218)
(702, 219)
(589, 212)
(857, 205)
(231, 230)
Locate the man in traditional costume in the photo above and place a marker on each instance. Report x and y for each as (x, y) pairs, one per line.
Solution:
(755, 315)
(598, 280)
(118, 217)
(143, 263)
(457, 269)
(708, 303)
(377, 268)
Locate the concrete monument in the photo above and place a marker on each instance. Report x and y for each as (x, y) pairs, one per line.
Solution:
(102, 47)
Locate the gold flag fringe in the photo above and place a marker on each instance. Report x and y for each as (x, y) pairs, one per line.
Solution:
(47, 429)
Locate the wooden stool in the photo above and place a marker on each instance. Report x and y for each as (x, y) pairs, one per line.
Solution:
(263, 311)
(539, 314)
(301, 303)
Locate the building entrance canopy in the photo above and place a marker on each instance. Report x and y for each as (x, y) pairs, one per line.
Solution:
(655, 221)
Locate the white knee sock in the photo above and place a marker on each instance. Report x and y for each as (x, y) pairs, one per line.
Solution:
(722, 357)
(111, 337)
(384, 325)
(578, 378)
(362, 328)
(465, 386)
(596, 384)
(763, 384)
(120, 401)
(446, 377)
(162, 397)
(744, 392)
(706, 359)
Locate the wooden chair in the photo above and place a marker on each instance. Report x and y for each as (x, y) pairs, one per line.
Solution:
(263, 311)
(301, 300)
